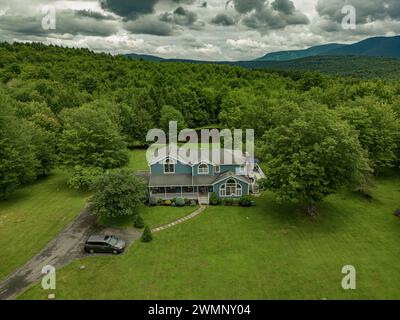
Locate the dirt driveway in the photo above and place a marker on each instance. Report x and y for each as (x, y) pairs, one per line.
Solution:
(64, 248)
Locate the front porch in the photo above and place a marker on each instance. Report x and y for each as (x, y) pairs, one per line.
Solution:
(192, 193)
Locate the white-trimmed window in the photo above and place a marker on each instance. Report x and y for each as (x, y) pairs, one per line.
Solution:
(203, 169)
(241, 170)
(231, 189)
(217, 169)
(169, 166)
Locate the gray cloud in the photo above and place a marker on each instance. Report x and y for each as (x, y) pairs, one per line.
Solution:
(94, 14)
(284, 6)
(184, 1)
(366, 10)
(223, 19)
(259, 14)
(68, 22)
(129, 8)
(149, 25)
(243, 29)
(181, 17)
(245, 6)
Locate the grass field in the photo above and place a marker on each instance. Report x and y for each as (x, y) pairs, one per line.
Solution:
(267, 252)
(32, 216)
(36, 213)
(152, 216)
(137, 160)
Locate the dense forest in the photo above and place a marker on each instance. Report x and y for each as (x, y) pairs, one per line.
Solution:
(354, 66)
(72, 107)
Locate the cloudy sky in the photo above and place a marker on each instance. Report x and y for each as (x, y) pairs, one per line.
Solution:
(195, 29)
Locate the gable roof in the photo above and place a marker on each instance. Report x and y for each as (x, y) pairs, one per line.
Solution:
(226, 157)
(229, 174)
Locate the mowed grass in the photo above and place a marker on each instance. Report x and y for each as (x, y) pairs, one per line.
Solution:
(137, 160)
(32, 216)
(271, 251)
(152, 216)
(36, 213)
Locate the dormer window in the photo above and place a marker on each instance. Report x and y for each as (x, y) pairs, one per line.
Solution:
(169, 166)
(203, 169)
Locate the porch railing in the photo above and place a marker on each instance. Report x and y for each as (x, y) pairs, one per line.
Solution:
(169, 196)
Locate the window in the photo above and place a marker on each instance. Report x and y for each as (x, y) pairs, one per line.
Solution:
(157, 190)
(242, 170)
(188, 189)
(217, 169)
(203, 169)
(169, 166)
(231, 189)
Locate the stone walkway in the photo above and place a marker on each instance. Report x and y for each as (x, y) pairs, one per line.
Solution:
(186, 218)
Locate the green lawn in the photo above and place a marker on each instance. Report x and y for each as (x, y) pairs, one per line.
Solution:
(267, 252)
(152, 216)
(137, 160)
(32, 216)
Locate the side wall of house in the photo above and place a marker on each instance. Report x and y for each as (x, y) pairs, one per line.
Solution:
(180, 168)
(245, 186)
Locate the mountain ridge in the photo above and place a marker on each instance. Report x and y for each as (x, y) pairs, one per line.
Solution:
(388, 47)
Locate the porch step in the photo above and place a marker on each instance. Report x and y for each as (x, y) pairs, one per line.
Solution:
(204, 200)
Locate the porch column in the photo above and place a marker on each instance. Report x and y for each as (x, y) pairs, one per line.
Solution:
(165, 191)
(181, 192)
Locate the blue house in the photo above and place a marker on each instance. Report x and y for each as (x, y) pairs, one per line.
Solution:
(229, 177)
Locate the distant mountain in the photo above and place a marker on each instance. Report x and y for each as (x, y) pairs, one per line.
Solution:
(144, 57)
(298, 54)
(373, 57)
(388, 47)
(356, 66)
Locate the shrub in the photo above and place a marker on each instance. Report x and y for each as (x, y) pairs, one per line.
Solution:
(228, 202)
(214, 200)
(84, 178)
(173, 200)
(147, 236)
(245, 201)
(138, 223)
(160, 201)
(193, 203)
(153, 202)
(173, 204)
(167, 202)
(187, 202)
(180, 202)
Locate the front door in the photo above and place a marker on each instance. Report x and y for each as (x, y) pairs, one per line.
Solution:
(205, 190)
